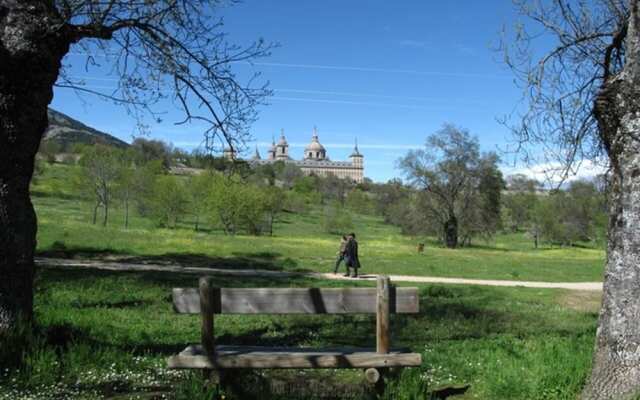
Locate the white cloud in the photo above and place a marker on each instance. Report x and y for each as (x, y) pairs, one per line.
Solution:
(551, 173)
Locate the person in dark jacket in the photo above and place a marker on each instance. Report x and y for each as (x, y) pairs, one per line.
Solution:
(351, 256)
(343, 246)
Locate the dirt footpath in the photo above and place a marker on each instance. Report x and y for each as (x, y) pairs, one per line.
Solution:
(125, 266)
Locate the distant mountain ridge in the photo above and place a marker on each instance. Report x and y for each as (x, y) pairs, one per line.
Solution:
(67, 132)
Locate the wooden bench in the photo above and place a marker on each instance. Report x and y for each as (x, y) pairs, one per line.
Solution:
(208, 301)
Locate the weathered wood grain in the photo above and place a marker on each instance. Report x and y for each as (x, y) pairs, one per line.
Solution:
(206, 311)
(297, 301)
(383, 334)
(194, 357)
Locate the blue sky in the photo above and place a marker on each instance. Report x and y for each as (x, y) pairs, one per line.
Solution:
(385, 72)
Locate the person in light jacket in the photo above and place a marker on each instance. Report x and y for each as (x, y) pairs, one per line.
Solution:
(343, 246)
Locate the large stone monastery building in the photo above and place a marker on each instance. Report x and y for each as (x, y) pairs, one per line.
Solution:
(315, 159)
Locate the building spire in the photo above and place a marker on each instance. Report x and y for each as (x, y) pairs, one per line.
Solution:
(356, 152)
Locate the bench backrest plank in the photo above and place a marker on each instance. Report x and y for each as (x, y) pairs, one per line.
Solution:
(296, 301)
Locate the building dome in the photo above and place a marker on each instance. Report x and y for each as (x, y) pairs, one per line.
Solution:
(314, 145)
(314, 150)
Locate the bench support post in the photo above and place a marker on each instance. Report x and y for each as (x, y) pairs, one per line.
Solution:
(206, 332)
(383, 338)
(383, 332)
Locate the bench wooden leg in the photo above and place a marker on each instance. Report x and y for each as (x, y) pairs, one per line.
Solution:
(372, 375)
(377, 378)
(211, 377)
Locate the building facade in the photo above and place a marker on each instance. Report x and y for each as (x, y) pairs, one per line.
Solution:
(315, 159)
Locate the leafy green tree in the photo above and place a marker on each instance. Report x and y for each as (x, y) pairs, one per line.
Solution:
(337, 219)
(274, 198)
(169, 201)
(143, 180)
(295, 202)
(520, 201)
(360, 201)
(480, 214)
(407, 213)
(288, 175)
(584, 214)
(264, 174)
(125, 189)
(388, 194)
(334, 189)
(450, 172)
(254, 214)
(306, 184)
(223, 203)
(97, 177)
(198, 188)
(147, 150)
(238, 206)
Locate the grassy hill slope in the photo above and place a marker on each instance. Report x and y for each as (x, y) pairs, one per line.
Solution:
(299, 243)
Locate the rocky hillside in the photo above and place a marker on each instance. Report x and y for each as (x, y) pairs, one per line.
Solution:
(66, 131)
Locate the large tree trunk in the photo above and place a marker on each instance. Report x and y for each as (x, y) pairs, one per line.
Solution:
(616, 362)
(30, 55)
(451, 232)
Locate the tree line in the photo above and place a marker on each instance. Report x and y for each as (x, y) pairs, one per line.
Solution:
(452, 192)
(231, 196)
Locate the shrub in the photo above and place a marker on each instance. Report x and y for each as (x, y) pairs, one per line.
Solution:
(169, 201)
(337, 219)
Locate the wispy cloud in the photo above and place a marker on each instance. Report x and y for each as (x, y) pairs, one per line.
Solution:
(357, 68)
(350, 145)
(359, 103)
(464, 49)
(383, 70)
(416, 44)
(375, 95)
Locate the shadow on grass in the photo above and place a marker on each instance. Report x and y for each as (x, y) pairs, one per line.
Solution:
(262, 260)
(61, 334)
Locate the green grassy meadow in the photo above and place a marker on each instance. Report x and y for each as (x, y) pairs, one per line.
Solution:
(299, 243)
(106, 334)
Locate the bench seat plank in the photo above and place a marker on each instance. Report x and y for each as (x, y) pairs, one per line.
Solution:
(194, 357)
(296, 300)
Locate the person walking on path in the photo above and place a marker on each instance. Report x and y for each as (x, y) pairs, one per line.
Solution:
(351, 256)
(343, 246)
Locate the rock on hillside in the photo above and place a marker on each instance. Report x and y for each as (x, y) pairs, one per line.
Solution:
(67, 131)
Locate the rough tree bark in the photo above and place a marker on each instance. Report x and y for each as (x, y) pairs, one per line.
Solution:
(451, 232)
(616, 362)
(30, 56)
